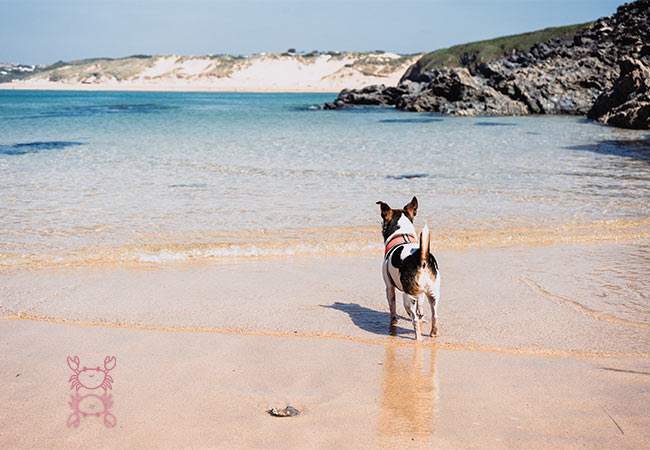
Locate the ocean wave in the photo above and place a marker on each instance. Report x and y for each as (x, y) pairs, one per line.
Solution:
(344, 240)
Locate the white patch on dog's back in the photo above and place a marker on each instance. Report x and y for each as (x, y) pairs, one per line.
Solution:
(407, 250)
(404, 226)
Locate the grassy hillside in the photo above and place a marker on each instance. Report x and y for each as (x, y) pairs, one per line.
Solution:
(367, 63)
(482, 51)
(81, 69)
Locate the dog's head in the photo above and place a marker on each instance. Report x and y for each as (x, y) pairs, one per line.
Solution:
(391, 217)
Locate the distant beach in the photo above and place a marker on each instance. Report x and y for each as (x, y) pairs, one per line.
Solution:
(170, 86)
(313, 72)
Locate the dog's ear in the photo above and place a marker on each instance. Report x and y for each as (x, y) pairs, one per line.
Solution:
(386, 212)
(411, 208)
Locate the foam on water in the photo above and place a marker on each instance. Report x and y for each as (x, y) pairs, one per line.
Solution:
(161, 248)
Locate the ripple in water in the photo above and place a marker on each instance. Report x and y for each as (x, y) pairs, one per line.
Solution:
(495, 124)
(407, 176)
(94, 110)
(421, 120)
(189, 185)
(35, 147)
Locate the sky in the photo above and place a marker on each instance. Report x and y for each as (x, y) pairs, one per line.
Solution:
(45, 31)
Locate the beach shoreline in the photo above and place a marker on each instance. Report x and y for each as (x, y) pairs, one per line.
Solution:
(506, 308)
(170, 87)
(215, 345)
(227, 250)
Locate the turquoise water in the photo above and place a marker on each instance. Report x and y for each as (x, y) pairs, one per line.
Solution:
(84, 175)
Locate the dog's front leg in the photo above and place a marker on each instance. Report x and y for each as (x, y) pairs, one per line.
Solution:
(414, 312)
(390, 296)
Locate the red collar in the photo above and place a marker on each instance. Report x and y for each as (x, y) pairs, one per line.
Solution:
(399, 240)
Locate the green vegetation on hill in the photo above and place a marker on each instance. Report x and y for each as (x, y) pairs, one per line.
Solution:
(80, 70)
(368, 63)
(483, 51)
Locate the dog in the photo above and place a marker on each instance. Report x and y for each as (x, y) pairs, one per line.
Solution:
(409, 266)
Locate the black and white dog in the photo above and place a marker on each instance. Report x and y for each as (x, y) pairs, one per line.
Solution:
(409, 266)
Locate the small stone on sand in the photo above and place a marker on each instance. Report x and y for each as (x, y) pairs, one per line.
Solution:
(289, 411)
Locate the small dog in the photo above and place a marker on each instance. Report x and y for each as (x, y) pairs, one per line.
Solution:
(409, 266)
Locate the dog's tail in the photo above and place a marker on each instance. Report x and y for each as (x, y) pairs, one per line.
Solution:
(424, 246)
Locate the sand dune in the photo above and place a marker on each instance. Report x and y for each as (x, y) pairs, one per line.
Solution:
(258, 73)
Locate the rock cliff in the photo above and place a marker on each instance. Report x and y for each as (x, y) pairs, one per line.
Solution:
(604, 65)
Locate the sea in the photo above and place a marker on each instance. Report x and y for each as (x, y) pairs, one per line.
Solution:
(129, 178)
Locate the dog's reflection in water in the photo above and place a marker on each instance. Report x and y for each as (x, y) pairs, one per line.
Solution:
(409, 394)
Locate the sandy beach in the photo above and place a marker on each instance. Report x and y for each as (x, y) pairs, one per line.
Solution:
(201, 219)
(226, 250)
(256, 73)
(163, 87)
(195, 369)
(198, 390)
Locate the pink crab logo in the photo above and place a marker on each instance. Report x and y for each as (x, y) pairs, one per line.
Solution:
(91, 378)
(91, 404)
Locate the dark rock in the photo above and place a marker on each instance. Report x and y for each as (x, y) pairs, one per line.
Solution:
(627, 103)
(468, 59)
(289, 411)
(378, 95)
(339, 104)
(370, 95)
(457, 92)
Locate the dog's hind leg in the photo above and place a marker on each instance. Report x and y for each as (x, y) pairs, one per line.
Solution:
(414, 310)
(433, 301)
(390, 296)
(433, 295)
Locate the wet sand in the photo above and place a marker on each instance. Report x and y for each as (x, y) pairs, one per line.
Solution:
(205, 349)
(198, 390)
(498, 299)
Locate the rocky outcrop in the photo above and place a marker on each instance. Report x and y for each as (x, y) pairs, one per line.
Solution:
(627, 103)
(371, 95)
(457, 92)
(556, 77)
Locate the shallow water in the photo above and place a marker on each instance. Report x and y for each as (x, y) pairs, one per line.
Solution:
(130, 177)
